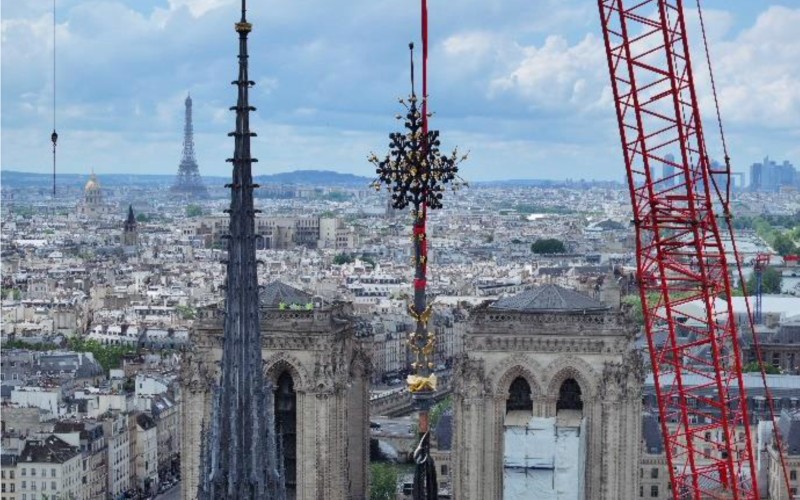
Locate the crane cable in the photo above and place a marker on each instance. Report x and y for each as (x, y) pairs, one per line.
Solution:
(54, 135)
(728, 219)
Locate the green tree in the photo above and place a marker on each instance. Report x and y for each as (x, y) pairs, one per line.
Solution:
(142, 218)
(108, 356)
(337, 196)
(548, 245)
(783, 244)
(753, 367)
(186, 312)
(438, 410)
(342, 258)
(771, 282)
(636, 312)
(383, 479)
(194, 211)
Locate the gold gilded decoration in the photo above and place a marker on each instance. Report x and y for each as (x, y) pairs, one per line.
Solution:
(243, 27)
(424, 317)
(419, 384)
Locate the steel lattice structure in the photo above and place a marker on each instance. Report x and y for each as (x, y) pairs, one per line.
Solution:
(759, 266)
(680, 255)
(188, 180)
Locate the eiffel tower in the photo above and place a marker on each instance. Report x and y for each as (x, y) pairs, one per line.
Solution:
(188, 180)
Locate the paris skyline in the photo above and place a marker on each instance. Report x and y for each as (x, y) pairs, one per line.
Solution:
(523, 87)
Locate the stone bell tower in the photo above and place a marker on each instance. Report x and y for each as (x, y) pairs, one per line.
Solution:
(315, 360)
(547, 400)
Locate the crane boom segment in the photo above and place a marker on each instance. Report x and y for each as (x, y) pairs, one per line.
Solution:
(682, 269)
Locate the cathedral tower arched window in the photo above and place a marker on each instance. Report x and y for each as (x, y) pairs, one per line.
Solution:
(519, 396)
(569, 396)
(286, 427)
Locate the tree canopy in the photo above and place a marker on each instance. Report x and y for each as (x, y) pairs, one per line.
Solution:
(771, 282)
(384, 482)
(343, 258)
(548, 245)
(109, 356)
(768, 368)
(194, 210)
(784, 244)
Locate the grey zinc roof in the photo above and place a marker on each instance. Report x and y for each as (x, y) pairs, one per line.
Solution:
(277, 293)
(444, 431)
(145, 421)
(789, 424)
(549, 298)
(51, 449)
(651, 433)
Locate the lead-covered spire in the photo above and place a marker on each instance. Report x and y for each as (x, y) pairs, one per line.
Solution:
(240, 459)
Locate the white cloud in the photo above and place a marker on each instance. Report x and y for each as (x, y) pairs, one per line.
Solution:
(519, 83)
(556, 74)
(198, 7)
(758, 72)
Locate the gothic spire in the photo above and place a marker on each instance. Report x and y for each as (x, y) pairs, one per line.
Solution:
(240, 458)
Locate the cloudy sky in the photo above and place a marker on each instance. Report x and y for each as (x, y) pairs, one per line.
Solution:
(521, 84)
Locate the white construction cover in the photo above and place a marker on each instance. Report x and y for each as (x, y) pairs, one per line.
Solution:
(543, 460)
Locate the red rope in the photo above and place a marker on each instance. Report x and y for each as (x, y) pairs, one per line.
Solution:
(424, 8)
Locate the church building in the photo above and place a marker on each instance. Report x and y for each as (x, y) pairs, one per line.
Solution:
(130, 234)
(317, 364)
(547, 400)
(93, 205)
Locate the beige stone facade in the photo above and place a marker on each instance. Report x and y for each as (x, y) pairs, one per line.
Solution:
(329, 370)
(547, 348)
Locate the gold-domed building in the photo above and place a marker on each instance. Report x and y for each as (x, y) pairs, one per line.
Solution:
(92, 204)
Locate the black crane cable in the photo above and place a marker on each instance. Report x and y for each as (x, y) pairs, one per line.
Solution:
(54, 135)
(729, 221)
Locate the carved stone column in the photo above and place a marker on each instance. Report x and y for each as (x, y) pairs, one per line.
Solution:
(196, 381)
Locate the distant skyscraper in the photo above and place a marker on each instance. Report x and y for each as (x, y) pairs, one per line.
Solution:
(239, 458)
(756, 172)
(188, 180)
(769, 176)
(668, 170)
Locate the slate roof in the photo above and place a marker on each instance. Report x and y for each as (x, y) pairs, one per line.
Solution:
(789, 424)
(444, 431)
(78, 363)
(651, 433)
(610, 225)
(145, 421)
(277, 293)
(549, 298)
(52, 449)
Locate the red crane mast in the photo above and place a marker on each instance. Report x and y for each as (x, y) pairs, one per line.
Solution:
(694, 350)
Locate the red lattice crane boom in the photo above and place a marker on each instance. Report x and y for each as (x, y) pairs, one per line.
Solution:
(694, 351)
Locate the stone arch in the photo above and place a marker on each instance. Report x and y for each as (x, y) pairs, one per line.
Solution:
(282, 361)
(517, 365)
(567, 367)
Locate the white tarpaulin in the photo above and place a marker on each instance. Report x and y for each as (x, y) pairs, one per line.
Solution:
(543, 459)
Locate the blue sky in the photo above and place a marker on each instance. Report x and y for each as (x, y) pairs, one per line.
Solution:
(521, 84)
